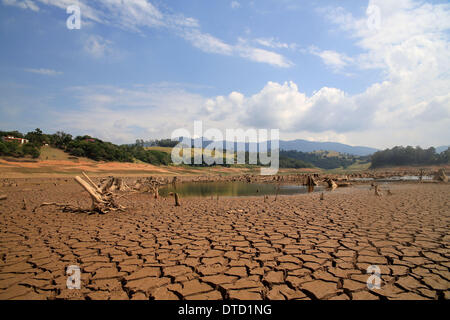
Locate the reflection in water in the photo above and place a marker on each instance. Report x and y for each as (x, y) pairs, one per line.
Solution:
(396, 178)
(234, 189)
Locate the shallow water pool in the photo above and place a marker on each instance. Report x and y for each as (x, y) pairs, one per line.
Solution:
(234, 189)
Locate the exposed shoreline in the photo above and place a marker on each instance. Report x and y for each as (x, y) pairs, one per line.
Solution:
(297, 247)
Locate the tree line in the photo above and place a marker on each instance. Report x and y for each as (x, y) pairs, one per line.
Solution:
(157, 143)
(320, 160)
(98, 150)
(80, 146)
(409, 156)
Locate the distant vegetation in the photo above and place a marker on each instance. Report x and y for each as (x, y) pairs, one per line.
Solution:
(159, 153)
(17, 150)
(81, 146)
(98, 150)
(286, 162)
(325, 160)
(157, 143)
(409, 156)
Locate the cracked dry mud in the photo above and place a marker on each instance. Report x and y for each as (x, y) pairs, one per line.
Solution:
(298, 247)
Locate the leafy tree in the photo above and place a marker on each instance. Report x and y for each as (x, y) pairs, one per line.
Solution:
(36, 137)
(60, 139)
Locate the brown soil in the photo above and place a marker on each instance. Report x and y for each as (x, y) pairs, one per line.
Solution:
(298, 247)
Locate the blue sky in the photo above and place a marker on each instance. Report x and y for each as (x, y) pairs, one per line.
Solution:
(317, 70)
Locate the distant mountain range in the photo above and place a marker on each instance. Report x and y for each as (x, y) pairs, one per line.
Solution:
(441, 148)
(297, 145)
(310, 146)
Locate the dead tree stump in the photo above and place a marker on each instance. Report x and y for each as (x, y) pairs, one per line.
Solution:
(377, 191)
(177, 199)
(310, 182)
(331, 183)
(102, 202)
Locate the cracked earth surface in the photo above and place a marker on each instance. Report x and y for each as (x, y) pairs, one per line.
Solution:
(297, 247)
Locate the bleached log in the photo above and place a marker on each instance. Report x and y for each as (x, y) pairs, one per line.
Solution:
(92, 183)
(96, 197)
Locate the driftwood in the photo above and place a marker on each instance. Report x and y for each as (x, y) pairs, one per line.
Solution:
(103, 201)
(112, 184)
(64, 207)
(377, 191)
(441, 176)
(331, 183)
(177, 199)
(24, 204)
(421, 174)
(92, 183)
(137, 185)
(149, 184)
(322, 196)
(3, 197)
(310, 181)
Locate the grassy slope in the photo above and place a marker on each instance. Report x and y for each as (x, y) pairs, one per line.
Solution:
(50, 153)
(163, 149)
(357, 166)
(169, 150)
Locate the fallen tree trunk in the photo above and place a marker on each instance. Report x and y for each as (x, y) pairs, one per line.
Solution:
(96, 196)
(102, 201)
(92, 183)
